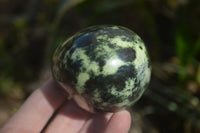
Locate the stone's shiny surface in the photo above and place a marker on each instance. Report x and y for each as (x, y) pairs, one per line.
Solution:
(108, 67)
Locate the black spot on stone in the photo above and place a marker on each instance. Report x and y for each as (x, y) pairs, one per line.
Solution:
(74, 67)
(125, 72)
(67, 75)
(110, 98)
(105, 83)
(112, 46)
(141, 47)
(84, 40)
(102, 83)
(127, 54)
(101, 64)
(120, 86)
(106, 96)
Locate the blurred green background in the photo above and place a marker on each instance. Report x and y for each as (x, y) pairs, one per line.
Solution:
(30, 30)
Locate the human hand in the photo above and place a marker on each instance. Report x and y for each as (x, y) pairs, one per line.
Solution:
(47, 110)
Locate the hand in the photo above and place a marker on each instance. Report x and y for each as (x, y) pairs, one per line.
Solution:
(48, 111)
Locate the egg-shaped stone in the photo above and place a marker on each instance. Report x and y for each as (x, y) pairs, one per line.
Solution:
(104, 68)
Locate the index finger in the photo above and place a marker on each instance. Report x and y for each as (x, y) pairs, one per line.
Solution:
(37, 109)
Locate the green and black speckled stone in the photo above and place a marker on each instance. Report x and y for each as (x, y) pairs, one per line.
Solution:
(106, 65)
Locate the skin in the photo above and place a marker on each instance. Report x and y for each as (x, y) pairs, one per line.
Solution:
(35, 115)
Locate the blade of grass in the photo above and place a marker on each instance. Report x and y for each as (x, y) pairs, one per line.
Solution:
(181, 48)
(196, 48)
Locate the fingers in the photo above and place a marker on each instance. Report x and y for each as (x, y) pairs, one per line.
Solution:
(38, 108)
(97, 123)
(70, 119)
(119, 123)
